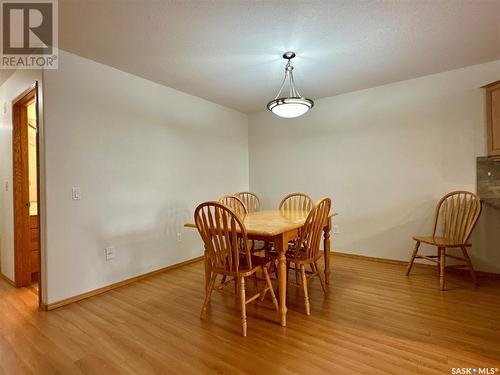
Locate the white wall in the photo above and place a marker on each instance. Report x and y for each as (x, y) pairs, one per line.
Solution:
(15, 85)
(144, 155)
(385, 155)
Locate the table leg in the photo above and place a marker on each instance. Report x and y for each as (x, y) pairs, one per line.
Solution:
(281, 245)
(326, 249)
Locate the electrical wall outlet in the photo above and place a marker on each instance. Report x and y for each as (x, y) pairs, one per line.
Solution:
(109, 252)
(179, 237)
(6, 185)
(76, 193)
(336, 229)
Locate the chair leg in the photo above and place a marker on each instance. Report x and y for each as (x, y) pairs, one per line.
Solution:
(263, 293)
(243, 304)
(208, 272)
(321, 279)
(271, 290)
(413, 256)
(275, 268)
(210, 288)
(442, 266)
(304, 284)
(469, 263)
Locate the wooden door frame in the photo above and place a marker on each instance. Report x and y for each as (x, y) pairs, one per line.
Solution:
(20, 188)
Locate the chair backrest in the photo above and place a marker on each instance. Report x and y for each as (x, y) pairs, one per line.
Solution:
(224, 236)
(296, 202)
(235, 204)
(456, 215)
(251, 200)
(310, 233)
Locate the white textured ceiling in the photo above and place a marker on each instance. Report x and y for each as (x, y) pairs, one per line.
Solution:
(229, 52)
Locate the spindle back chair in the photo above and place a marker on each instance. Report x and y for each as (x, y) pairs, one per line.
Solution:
(457, 214)
(305, 251)
(250, 200)
(221, 230)
(235, 204)
(296, 202)
(455, 217)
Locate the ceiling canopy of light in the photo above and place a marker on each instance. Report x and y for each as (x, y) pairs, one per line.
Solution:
(294, 104)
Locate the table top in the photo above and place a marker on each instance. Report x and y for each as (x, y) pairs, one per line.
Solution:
(273, 222)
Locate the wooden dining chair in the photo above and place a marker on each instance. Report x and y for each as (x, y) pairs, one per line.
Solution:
(296, 202)
(239, 207)
(220, 228)
(235, 204)
(250, 200)
(252, 203)
(305, 251)
(455, 217)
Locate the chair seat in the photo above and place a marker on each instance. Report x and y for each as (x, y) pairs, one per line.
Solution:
(440, 241)
(290, 255)
(244, 269)
(257, 260)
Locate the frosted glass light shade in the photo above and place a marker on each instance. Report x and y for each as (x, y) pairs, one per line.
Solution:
(290, 107)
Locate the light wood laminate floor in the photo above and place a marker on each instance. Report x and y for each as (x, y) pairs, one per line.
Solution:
(375, 321)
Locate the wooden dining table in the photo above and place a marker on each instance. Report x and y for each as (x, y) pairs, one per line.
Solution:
(280, 227)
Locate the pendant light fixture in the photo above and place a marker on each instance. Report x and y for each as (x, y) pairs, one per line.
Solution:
(293, 105)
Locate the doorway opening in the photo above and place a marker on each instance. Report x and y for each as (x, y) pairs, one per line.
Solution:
(26, 191)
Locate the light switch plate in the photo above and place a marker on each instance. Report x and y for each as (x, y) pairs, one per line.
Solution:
(76, 193)
(109, 252)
